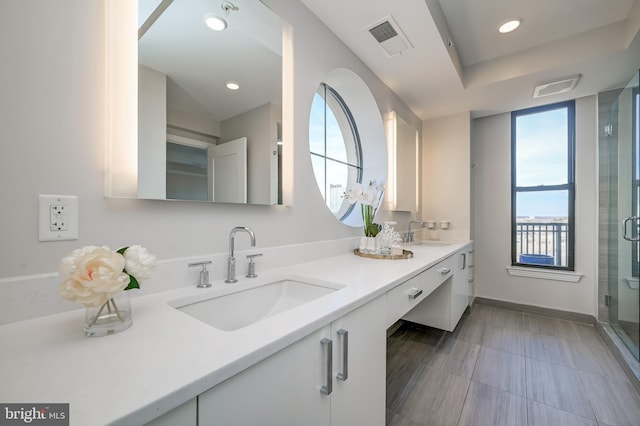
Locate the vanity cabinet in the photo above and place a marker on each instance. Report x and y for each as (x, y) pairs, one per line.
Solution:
(360, 398)
(295, 387)
(183, 415)
(283, 389)
(447, 295)
(406, 297)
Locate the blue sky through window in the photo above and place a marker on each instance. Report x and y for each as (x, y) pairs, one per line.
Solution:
(542, 159)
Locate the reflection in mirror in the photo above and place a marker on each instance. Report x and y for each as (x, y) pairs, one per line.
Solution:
(403, 150)
(190, 122)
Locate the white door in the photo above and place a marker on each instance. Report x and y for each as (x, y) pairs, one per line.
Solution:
(227, 171)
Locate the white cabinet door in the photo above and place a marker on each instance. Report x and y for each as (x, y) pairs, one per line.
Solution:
(360, 399)
(459, 288)
(282, 390)
(184, 415)
(285, 389)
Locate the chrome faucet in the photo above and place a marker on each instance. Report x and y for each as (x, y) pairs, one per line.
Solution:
(231, 261)
(408, 236)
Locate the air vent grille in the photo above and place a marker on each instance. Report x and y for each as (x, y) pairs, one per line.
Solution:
(555, 87)
(389, 36)
(383, 32)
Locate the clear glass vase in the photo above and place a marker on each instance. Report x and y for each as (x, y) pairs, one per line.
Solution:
(112, 317)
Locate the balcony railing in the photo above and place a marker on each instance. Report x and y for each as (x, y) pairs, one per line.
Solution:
(542, 243)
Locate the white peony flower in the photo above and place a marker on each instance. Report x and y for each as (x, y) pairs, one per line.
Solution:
(92, 275)
(139, 263)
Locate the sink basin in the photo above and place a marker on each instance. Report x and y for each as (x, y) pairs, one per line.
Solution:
(244, 307)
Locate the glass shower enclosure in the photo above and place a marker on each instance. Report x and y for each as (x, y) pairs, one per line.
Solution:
(619, 112)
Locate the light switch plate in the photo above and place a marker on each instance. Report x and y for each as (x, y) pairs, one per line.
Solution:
(57, 217)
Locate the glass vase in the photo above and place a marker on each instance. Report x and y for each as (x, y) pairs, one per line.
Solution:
(111, 317)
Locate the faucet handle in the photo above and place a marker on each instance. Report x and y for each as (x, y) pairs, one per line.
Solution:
(204, 274)
(252, 265)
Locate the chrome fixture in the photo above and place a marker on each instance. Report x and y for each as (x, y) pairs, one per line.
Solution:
(608, 129)
(204, 274)
(408, 237)
(252, 265)
(231, 261)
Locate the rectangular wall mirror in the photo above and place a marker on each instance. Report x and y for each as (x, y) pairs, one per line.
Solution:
(200, 137)
(403, 151)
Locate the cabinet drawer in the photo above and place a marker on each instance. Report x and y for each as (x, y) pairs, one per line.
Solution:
(407, 295)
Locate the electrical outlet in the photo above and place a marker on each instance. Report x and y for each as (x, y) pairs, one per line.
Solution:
(57, 217)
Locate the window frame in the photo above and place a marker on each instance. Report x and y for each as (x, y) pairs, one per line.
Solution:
(569, 186)
(635, 181)
(359, 166)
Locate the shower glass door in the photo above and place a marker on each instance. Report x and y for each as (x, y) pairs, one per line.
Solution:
(623, 145)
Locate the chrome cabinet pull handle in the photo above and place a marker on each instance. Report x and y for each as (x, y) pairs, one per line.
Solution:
(327, 344)
(444, 271)
(415, 293)
(344, 336)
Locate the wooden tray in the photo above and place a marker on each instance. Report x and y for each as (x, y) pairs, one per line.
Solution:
(406, 254)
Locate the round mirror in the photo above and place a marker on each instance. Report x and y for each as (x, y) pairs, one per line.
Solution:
(346, 141)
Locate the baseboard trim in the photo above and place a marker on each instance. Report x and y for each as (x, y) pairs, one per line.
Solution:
(625, 359)
(537, 310)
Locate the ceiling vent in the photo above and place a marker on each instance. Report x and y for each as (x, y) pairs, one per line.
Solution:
(555, 87)
(390, 37)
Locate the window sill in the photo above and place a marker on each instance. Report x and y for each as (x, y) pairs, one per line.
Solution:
(545, 274)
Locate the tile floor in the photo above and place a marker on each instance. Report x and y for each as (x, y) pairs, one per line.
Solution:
(504, 367)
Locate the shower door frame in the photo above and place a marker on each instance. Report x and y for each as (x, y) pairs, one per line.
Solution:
(623, 243)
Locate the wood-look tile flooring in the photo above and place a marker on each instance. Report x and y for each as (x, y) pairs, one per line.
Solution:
(505, 367)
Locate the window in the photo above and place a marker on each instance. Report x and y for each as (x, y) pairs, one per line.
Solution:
(335, 149)
(543, 186)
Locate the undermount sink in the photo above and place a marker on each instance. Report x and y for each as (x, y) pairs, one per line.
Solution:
(233, 311)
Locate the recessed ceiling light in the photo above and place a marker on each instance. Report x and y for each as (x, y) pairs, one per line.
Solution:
(510, 25)
(216, 23)
(232, 85)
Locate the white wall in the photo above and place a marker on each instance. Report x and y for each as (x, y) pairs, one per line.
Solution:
(52, 128)
(446, 180)
(492, 217)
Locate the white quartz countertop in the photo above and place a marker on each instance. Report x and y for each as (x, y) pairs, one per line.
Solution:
(168, 357)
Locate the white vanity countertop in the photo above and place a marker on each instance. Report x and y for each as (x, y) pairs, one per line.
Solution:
(167, 357)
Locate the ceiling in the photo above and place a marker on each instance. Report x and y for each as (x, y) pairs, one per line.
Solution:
(459, 62)
(198, 62)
